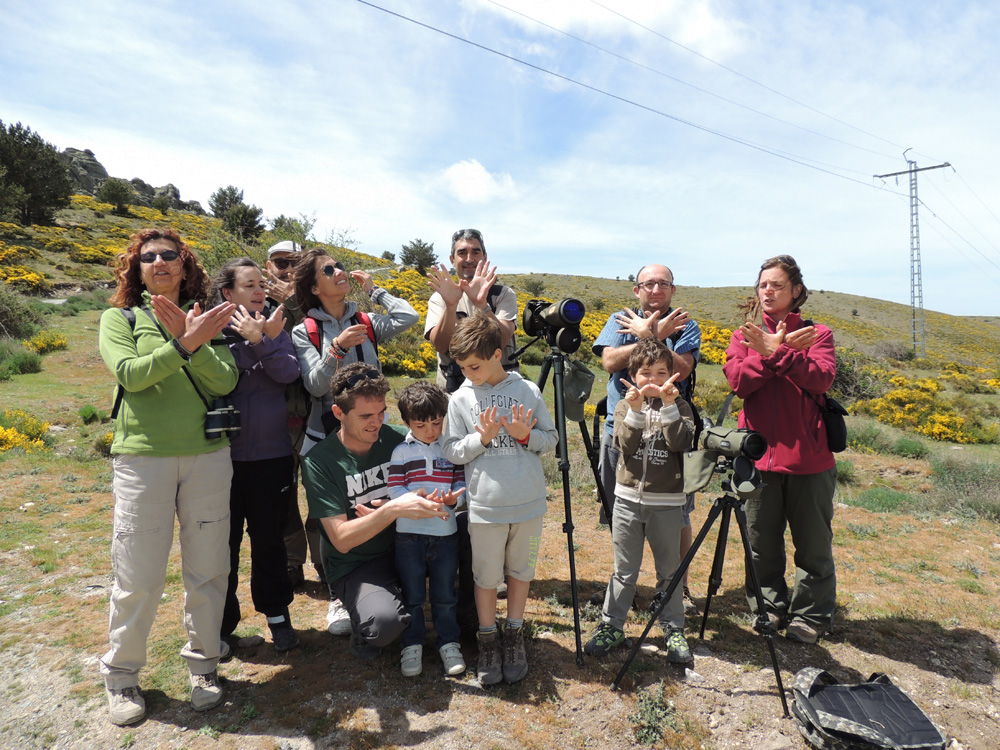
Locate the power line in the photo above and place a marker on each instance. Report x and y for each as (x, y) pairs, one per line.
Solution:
(743, 76)
(977, 195)
(688, 84)
(967, 219)
(801, 161)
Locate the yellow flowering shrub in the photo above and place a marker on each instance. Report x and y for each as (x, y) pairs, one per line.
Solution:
(13, 231)
(714, 342)
(11, 253)
(103, 443)
(19, 429)
(11, 438)
(61, 245)
(46, 341)
(23, 279)
(102, 254)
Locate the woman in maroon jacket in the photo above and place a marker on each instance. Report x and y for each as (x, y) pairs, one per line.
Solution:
(781, 365)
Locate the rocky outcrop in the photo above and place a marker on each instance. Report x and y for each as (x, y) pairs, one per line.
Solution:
(86, 175)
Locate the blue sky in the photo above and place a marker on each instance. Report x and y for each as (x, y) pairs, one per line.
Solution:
(393, 131)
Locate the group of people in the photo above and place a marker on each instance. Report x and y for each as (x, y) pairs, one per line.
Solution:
(453, 503)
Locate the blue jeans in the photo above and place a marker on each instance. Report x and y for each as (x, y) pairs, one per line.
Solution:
(419, 557)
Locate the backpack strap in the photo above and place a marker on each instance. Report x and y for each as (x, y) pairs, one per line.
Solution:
(313, 330)
(492, 295)
(129, 314)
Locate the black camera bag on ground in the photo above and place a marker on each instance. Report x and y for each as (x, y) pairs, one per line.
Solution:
(872, 714)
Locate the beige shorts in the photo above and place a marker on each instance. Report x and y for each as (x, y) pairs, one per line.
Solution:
(499, 548)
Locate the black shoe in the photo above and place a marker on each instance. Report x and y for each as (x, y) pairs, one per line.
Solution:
(362, 649)
(284, 639)
(502, 590)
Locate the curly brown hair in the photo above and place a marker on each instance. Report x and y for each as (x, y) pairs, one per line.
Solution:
(357, 379)
(128, 270)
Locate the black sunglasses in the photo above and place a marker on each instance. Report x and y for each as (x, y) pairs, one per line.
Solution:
(282, 263)
(353, 380)
(167, 255)
(474, 233)
(331, 268)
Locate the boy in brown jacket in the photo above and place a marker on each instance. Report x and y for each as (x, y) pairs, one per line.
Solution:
(653, 428)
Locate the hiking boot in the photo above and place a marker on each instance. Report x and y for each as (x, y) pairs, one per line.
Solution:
(677, 647)
(411, 660)
(285, 639)
(126, 706)
(338, 621)
(489, 670)
(606, 638)
(801, 631)
(451, 658)
(515, 661)
(690, 608)
(362, 649)
(206, 692)
(502, 590)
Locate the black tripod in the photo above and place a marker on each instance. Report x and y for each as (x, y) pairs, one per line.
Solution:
(556, 363)
(724, 506)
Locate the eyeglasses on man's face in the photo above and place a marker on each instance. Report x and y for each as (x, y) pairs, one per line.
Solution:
(282, 263)
(653, 283)
(168, 255)
(331, 268)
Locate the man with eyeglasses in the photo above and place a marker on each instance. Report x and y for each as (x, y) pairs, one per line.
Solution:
(654, 288)
(476, 289)
(280, 285)
(346, 477)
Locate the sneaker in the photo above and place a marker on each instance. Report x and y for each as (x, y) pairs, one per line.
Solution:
(690, 608)
(338, 621)
(285, 639)
(606, 638)
(362, 649)
(126, 706)
(677, 647)
(489, 670)
(206, 692)
(515, 661)
(451, 657)
(411, 660)
(801, 631)
(776, 620)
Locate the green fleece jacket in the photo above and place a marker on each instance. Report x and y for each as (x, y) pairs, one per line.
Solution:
(160, 413)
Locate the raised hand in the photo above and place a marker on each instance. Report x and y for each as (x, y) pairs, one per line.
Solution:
(352, 336)
(520, 423)
(667, 392)
(479, 288)
(762, 342)
(633, 398)
(200, 328)
(276, 323)
(802, 338)
(442, 283)
(278, 290)
(638, 326)
(488, 427)
(250, 327)
(675, 321)
(365, 279)
(170, 315)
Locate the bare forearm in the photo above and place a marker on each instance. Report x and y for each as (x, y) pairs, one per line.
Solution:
(615, 358)
(440, 335)
(346, 535)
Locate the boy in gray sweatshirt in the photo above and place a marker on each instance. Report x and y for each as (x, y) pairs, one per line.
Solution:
(497, 428)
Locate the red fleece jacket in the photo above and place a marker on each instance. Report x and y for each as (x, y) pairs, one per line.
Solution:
(776, 402)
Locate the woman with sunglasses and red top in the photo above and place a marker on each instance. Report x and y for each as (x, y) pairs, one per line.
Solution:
(322, 285)
(159, 342)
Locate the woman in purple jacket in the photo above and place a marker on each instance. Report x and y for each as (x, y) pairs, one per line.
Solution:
(262, 449)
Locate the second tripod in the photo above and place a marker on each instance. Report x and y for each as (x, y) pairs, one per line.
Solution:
(723, 506)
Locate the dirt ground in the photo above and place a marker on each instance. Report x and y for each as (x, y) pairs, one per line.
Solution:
(318, 696)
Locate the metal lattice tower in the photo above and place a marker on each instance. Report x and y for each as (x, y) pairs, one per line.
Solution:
(918, 333)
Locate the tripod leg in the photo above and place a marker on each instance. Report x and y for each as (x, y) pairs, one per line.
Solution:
(763, 625)
(592, 456)
(715, 578)
(678, 576)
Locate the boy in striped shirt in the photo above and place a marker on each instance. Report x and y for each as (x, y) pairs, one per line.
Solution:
(427, 548)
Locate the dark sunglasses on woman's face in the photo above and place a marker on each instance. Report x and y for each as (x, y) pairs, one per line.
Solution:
(282, 263)
(331, 268)
(167, 255)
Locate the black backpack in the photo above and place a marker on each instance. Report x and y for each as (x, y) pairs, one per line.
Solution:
(872, 714)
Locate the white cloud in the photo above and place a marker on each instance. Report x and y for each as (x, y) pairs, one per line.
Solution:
(469, 182)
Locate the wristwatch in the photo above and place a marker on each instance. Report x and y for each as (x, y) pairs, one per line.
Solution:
(181, 350)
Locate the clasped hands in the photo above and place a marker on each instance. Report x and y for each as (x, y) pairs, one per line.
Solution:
(415, 505)
(766, 344)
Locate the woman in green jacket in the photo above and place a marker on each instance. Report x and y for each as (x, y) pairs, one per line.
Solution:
(162, 348)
